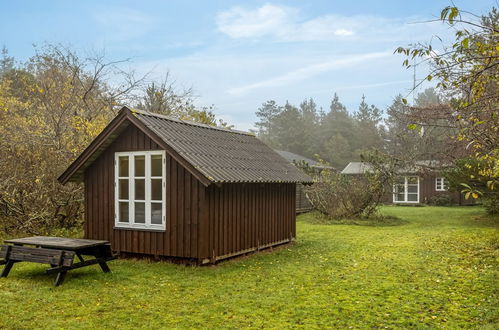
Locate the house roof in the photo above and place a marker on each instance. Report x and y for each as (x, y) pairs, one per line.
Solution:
(212, 154)
(356, 168)
(418, 166)
(295, 158)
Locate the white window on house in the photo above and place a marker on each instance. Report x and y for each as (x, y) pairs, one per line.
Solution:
(441, 184)
(406, 190)
(140, 189)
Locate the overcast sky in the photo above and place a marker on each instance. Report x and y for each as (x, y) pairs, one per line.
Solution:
(238, 54)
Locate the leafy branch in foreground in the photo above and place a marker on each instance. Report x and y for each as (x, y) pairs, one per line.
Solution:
(467, 72)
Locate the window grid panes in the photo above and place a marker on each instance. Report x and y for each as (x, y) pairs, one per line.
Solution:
(441, 184)
(156, 189)
(123, 189)
(140, 190)
(406, 190)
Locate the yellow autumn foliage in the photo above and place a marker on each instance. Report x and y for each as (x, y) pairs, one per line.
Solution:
(50, 109)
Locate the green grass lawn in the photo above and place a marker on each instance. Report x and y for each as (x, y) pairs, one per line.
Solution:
(437, 269)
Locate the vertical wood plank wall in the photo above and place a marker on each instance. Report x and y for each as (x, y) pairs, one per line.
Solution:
(213, 222)
(303, 204)
(428, 191)
(245, 217)
(183, 204)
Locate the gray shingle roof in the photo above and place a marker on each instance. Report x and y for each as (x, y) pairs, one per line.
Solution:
(222, 155)
(419, 165)
(211, 154)
(292, 158)
(356, 168)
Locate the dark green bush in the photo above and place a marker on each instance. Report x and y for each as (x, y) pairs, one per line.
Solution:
(491, 203)
(441, 200)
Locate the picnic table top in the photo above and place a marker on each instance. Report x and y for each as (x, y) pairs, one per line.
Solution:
(57, 242)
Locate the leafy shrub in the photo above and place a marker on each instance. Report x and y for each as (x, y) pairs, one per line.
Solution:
(339, 196)
(491, 203)
(441, 200)
(477, 178)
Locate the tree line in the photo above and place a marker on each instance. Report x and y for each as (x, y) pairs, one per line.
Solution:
(340, 135)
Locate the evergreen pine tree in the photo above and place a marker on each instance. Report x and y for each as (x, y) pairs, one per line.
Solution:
(267, 115)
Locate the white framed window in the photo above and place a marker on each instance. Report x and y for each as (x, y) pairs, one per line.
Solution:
(140, 190)
(441, 184)
(406, 189)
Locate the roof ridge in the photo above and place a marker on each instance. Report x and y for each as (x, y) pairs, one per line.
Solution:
(212, 157)
(188, 122)
(295, 154)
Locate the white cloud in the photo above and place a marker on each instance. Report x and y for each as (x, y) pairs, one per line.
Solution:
(343, 32)
(241, 23)
(287, 24)
(238, 83)
(282, 23)
(308, 71)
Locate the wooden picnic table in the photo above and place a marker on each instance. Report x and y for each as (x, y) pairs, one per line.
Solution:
(58, 252)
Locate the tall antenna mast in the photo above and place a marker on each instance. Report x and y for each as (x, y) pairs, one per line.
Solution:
(413, 81)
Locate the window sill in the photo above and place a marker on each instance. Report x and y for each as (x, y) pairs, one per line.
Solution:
(405, 202)
(157, 230)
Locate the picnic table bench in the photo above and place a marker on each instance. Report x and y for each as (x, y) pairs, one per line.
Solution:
(58, 252)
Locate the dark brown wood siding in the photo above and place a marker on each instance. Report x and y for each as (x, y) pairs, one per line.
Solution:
(303, 204)
(184, 204)
(201, 222)
(250, 216)
(428, 191)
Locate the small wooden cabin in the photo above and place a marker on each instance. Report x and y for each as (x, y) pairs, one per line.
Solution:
(421, 183)
(303, 204)
(165, 187)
